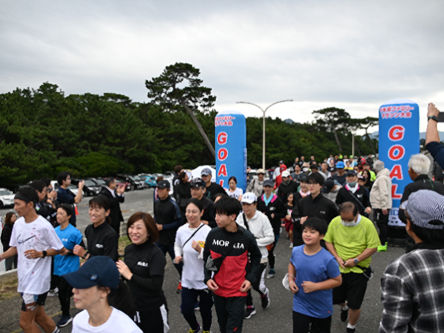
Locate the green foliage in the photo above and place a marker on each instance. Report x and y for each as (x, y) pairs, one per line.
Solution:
(177, 85)
(44, 132)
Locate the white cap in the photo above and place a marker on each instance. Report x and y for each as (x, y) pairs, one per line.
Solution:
(249, 198)
(285, 173)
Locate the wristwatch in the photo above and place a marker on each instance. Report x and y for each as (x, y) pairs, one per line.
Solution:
(44, 254)
(435, 118)
(356, 260)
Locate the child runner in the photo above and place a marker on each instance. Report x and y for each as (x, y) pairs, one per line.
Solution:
(312, 274)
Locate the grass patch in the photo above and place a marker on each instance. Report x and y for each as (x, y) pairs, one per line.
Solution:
(123, 242)
(8, 287)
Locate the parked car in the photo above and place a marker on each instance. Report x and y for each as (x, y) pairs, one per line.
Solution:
(134, 183)
(141, 182)
(150, 180)
(91, 188)
(6, 198)
(99, 181)
(74, 189)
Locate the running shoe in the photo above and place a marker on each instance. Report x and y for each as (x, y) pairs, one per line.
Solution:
(344, 315)
(265, 300)
(271, 273)
(249, 312)
(382, 248)
(350, 330)
(53, 292)
(194, 331)
(64, 321)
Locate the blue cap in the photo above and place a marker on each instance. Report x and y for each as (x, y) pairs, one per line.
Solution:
(340, 165)
(97, 271)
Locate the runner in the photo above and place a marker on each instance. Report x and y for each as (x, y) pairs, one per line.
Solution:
(93, 284)
(354, 193)
(67, 262)
(270, 204)
(10, 219)
(312, 273)
(233, 191)
(143, 267)
(212, 188)
(168, 219)
(190, 240)
(34, 240)
(313, 205)
(258, 224)
(101, 238)
(227, 273)
(64, 194)
(198, 192)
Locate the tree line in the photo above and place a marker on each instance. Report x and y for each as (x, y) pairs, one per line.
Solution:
(43, 131)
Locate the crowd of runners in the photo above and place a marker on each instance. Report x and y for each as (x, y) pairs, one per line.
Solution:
(222, 241)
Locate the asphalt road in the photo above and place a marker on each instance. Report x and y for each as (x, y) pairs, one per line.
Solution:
(277, 318)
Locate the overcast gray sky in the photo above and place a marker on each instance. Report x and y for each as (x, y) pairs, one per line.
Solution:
(350, 54)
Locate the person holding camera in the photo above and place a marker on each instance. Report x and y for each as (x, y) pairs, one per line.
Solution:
(433, 144)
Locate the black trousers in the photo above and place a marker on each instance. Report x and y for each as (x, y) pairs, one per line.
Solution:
(302, 323)
(189, 300)
(382, 223)
(230, 313)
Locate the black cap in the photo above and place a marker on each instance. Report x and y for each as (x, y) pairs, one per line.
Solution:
(163, 184)
(350, 173)
(303, 178)
(197, 182)
(328, 185)
(269, 183)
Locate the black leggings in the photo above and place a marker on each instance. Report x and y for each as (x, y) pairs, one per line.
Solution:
(271, 252)
(152, 320)
(301, 324)
(65, 293)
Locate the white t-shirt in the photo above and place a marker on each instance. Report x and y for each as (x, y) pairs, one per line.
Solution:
(235, 194)
(117, 322)
(193, 264)
(34, 275)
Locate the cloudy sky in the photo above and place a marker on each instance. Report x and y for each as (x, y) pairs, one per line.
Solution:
(349, 54)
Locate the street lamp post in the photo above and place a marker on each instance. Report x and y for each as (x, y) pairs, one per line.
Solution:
(263, 123)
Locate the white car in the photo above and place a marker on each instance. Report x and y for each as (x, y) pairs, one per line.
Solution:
(6, 198)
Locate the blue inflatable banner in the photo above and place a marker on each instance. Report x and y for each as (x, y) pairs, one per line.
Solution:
(398, 140)
(231, 148)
